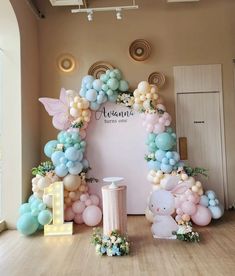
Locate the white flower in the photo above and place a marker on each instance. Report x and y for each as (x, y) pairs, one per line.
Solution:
(119, 240)
(184, 229)
(97, 247)
(113, 239)
(109, 252)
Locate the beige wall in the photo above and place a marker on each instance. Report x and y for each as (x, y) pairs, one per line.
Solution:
(181, 34)
(28, 25)
(11, 154)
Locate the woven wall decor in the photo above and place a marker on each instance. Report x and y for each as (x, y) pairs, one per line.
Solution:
(157, 79)
(99, 68)
(140, 49)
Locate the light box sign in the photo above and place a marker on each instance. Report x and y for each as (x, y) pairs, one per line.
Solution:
(116, 147)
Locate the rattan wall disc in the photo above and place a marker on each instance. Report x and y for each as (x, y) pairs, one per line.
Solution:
(140, 49)
(99, 68)
(157, 79)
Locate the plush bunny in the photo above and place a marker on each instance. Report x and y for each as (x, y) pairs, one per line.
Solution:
(162, 204)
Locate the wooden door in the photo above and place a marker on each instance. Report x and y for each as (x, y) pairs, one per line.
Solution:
(198, 119)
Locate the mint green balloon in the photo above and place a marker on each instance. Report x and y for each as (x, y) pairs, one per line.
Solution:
(113, 98)
(112, 74)
(165, 141)
(27, 224)
(105, 87)
(45, 217)
(109, 92)
(123, 86)
(24, 208)
(113, 83)
(118, 74)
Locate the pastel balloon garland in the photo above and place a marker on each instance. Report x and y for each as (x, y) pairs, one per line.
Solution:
(71, 114)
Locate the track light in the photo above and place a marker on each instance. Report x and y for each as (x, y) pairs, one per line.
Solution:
(118, 10)
(90, 15)
(118, 14)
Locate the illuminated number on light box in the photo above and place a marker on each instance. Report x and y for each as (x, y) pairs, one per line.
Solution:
(58, 226)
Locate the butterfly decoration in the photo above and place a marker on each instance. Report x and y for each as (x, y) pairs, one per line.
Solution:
(59, 110)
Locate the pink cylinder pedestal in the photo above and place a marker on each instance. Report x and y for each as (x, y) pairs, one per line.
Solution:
(114, 210)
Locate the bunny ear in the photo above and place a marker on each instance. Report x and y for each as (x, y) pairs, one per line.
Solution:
(181, 188)
(170, 182)
(53, 106)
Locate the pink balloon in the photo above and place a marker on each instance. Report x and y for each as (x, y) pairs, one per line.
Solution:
(151, 118)
(193, 198)
(189, 208)
(167, 122)
(202, 217)
(167, 116)
(179, 211)
(197, 198)
(158, 128)
(88, 202)
(82, 134)
(92, 215)
(78, 206)
(95, 200)
(178, 218)
(188, 192)
(84, 197)
(69, 214)
(177, 202)
(149, 128)
(78, 219)
(161, 106)
(162, 121)
(84, 126)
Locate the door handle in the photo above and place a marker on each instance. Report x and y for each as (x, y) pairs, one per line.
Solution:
(183, 148)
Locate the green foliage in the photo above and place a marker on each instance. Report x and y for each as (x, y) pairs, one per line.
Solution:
(195, 171)
(77, 125)
(188, 237)
(185, 233)
(92, 179)
(112, 245)
(43, 168)
(160, 111)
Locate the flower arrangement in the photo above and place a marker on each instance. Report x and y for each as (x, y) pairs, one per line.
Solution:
(112, 245)
(186, 233)
(43, 168)
(125, 99)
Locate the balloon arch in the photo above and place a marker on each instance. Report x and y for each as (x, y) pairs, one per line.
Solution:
(71, 114)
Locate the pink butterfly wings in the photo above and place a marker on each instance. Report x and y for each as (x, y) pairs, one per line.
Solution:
(59, 110)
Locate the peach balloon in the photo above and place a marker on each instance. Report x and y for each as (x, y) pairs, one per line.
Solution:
(69, 214)
(78, 219)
